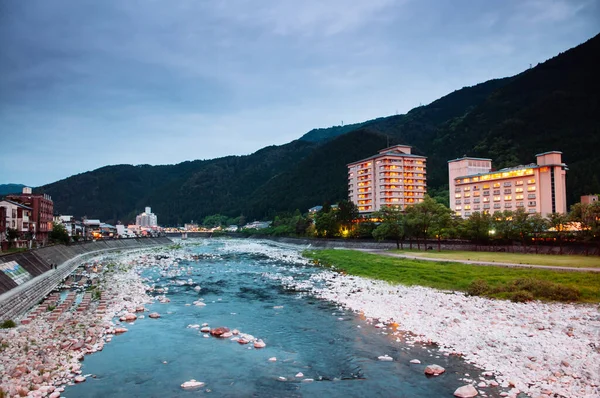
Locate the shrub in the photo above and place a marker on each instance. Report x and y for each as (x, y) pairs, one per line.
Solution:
(478, 287)
(9, 323)
(521, 296)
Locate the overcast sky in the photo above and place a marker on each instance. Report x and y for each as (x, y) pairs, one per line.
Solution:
(85, 84)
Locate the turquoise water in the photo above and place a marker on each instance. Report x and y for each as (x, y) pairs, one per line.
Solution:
(331, 345)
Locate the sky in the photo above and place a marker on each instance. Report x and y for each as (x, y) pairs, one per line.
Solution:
(87, 83)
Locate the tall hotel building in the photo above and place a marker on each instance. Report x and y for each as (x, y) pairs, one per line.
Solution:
(537, 188)
(393, 177)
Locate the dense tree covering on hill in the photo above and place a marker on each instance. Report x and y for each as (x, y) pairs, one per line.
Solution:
(553, 106)
(5, 189)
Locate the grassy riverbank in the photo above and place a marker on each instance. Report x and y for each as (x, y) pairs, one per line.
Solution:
(498, 282)
(515, 258)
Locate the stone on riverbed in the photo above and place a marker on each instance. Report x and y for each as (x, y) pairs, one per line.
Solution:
(219, 332)
(385, 358)
(434, 370)
(259, 344)
(467, 391)
(192, 384)
(415, 361)
(154, 315)
(79, 379)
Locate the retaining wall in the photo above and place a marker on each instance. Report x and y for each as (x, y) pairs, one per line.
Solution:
(16, 300)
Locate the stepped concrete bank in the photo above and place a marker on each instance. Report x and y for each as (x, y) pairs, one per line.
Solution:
(15, 299)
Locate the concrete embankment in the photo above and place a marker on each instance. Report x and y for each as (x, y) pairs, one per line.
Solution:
(16, 299)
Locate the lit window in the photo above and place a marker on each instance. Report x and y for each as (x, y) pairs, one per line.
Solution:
(496, 185)
(468, 207)
(467, 195)
(531, 189)
(496, 198)
(519, 190)
(486, 186)
(508, 197)
(467, 189)
(531, 181)
(519, 197)
(519, 183)
(457, 196)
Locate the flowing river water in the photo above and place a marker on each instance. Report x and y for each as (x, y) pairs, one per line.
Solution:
(241, 283)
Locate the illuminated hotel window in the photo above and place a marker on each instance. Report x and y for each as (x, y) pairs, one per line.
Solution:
(468, 207)
(519, 190)
(531, 181)
(519, 197)
(519, 183)
(496, 198)
(486, 200)
(458, 196)
(458, 213)
(475, 179)
(531, 189)
(476, 194)
(467, 189)
(458, 207)
(486, 186)
(508, 197)
(496, 185)
(467, 195)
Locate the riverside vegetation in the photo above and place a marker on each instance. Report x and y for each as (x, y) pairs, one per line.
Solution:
(495, 282)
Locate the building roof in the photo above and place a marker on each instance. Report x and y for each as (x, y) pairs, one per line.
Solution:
(469, 158)
(16, 204)
(548, 153)
(392, 154)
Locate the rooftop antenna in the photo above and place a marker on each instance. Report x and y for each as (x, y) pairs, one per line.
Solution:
(342, 122)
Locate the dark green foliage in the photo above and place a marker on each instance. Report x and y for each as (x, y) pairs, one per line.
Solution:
(9, 323)
(6, 189)
(478, 287)
(59, 234)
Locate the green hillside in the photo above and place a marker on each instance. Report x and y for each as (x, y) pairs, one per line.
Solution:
(5, 189)
(553, 106)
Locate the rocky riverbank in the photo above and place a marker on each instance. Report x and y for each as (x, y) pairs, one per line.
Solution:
(541, 349)
(43, 354)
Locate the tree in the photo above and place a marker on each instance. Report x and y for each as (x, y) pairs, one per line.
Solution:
(537, 225)
(215, 220)
(588, 215)
(557, 222)
(521, 224)
(391, 226)
(59, 234)
(326, 223)
(346, 214)
(477, 227)
(422, 217)
(12, 234)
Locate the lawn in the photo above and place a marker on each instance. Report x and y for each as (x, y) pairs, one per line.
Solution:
(516, 258)
(499, 282)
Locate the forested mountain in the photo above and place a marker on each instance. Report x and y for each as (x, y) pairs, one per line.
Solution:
(5, 189)
(553, 106)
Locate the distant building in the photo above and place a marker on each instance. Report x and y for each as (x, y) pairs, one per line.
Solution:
(314, 209)
(394, 177)
(17, 216)
(537, 188)
(146, 219)
(589, 199)
(190, 226)
(42, 212)
(68, 222)
(258, 225)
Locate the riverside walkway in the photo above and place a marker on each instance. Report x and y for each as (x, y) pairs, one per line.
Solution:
(483, 263)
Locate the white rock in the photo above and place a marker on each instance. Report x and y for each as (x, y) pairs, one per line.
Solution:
(415, 361)
(434, 370)
(466, 391)
(299, 374)
(192, 384)
(385, 358)
(272, 359)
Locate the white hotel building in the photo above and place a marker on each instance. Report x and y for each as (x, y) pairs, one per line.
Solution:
(394, 177)
(537, 188)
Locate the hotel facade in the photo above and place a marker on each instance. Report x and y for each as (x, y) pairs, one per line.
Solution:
(393, 177)
(536, 188)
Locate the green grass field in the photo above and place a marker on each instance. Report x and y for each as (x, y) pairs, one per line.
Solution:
(499, 282)
(516, 258)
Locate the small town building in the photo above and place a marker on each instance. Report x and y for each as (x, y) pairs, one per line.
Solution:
(589, 199)
(17, 216)
(393, 177)
(42, 213)
(537, 188)
(146, 219)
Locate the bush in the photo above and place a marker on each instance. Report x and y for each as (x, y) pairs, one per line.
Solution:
(545, 289)
(478, 287)
(9, 323)
(521, 296)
